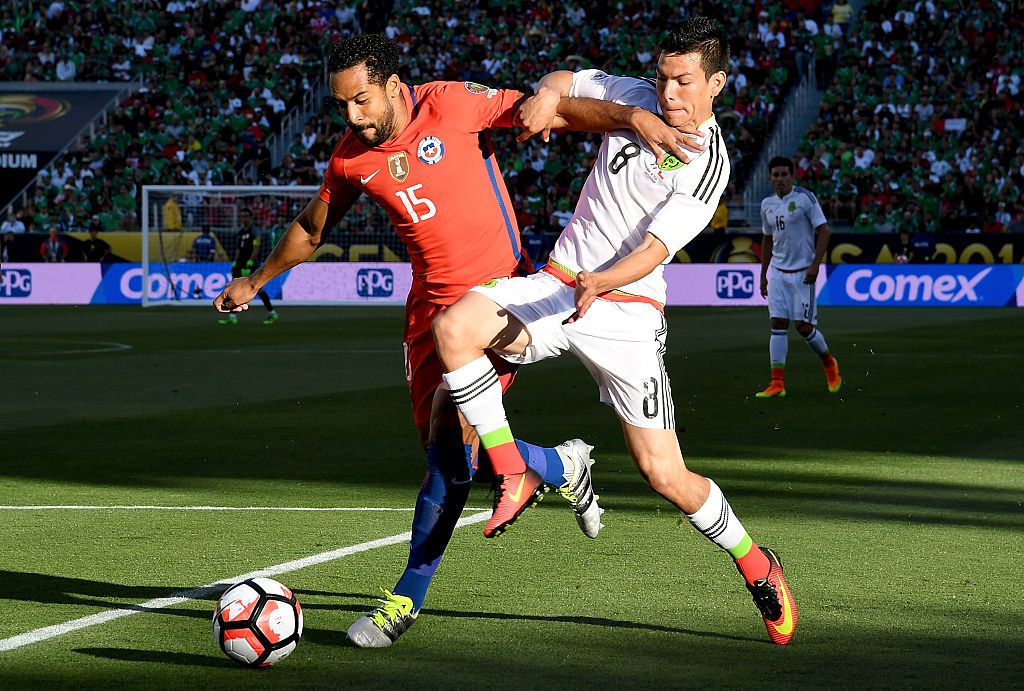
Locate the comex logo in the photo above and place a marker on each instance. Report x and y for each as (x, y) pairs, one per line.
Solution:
(734, 284)
(15, 283)
(862, 285)
(375, 283)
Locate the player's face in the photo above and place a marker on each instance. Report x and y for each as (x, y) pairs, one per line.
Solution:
(367, 108)
(782, 180)
(685, 93)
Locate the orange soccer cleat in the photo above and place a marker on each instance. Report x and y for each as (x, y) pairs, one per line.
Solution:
(513, 494)
(776, 389)
(774, 601)
(832, 374)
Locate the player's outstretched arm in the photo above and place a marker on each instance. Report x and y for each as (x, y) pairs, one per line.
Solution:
(634, 266)
(307, 232)
(551, 107)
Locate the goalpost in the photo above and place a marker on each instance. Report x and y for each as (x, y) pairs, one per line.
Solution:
(176, 269)
(190, 239)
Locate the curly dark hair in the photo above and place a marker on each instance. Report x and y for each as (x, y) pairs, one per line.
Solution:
(702, 35)
(378, 52)
(781, 161)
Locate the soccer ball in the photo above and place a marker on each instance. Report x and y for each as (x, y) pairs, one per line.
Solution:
(257, 622)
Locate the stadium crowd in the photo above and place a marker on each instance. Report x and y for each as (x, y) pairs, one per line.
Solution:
(216, 78)
(921, 124)
(920, 127)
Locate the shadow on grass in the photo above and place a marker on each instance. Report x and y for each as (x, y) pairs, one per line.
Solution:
(43, 588)
(159, 656)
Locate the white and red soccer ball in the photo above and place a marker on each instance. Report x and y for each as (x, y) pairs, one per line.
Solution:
(257, 622)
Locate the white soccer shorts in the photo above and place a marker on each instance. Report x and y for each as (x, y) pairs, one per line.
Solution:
(790, 298)
(622, 344)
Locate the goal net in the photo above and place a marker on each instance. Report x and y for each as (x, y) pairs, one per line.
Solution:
(190, 236)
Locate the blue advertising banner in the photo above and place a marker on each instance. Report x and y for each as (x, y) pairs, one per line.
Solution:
(961, 285)
(122, 282)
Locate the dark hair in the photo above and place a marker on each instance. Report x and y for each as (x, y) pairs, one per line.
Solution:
(781, 161)
(701, 35)
(378, 52)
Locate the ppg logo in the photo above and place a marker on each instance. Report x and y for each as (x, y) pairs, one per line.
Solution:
(15, 283)
(734, 284)
(375, 283)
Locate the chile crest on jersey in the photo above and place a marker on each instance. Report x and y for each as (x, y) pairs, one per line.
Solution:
(430, 150)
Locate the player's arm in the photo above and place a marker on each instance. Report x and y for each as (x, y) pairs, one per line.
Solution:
(551, 107)
(634, 266)
(819, 253)
(308, 231)
(767, 242)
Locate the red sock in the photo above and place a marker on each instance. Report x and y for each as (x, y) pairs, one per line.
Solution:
(506, 459)
(827, 359)
(779, 373)
(753, 565)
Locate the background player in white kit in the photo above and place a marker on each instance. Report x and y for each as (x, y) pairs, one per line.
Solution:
(790, 259)
(601, 296)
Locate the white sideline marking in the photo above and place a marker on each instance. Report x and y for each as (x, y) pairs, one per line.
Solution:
(102, 347)
(178, 598)
(213, 508)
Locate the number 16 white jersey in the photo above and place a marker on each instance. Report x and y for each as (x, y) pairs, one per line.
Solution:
(628, 195)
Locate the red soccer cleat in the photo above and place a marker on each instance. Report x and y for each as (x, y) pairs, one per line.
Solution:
(774, 601)
(514, 494)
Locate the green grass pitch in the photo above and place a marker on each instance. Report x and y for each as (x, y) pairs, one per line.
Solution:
(896, 506)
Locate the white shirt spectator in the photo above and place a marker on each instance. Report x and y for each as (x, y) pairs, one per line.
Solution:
(862, 157)
(66, 70)
(276, 104)
(905, 16)
(12, 225)
(779, 38)
(811, 26)
(576, 15)
(927, 6)
(59, 176)
(925, 110)
(250, 5)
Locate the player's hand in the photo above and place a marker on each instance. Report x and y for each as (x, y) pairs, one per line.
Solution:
(587, 290)
(236, 296)
(811, 277)
(664, 139)
(764, 285)
(537, 113)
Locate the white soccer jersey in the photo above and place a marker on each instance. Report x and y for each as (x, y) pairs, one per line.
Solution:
(627, 194)
(791, 221)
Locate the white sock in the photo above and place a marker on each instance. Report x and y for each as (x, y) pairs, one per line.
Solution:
(817, 342)
(476, 391)
(778, 346)
(716, 520)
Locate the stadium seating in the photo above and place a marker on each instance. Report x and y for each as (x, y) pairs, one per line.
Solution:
(218, 76)
(923, 117)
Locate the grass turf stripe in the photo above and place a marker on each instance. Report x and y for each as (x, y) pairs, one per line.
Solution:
(48, 632)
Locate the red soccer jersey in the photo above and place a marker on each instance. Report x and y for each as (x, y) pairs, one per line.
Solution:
(440, 185)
